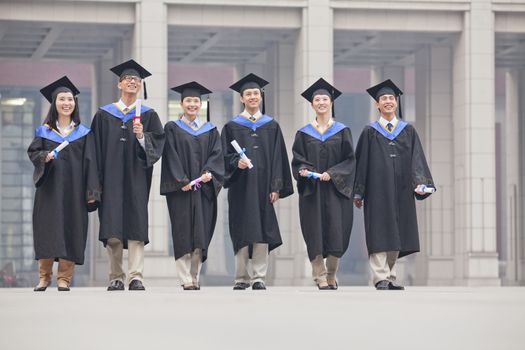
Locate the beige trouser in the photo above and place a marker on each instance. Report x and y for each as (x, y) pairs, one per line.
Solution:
(383, 266)
(115, 250)
(321, 271)
(64, 273)
(251, 270)
(189, 267)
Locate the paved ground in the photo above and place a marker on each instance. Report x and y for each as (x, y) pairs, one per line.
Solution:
(279, 318)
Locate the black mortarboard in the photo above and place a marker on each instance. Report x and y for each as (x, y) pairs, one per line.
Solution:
(61, 85)
(251, 81)
(134, 69)
(321, 87)
(387, 87)
(193, 89)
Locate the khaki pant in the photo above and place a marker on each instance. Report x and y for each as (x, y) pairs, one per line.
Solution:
(251, 270)
(321, 271)
(383, 266)
(115, 250)
(64, 273)
(189, 268)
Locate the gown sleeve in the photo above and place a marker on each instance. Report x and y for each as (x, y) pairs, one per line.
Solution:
(172, 177)
(215, 162)
(231, 158)
(362, 164)
(342, 174)
(37, 154)
(154, 139)
(304, 185)
(420, 171)
(281, 179)
(91, 174)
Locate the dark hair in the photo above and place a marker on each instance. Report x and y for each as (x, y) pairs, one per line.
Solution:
(52, 115)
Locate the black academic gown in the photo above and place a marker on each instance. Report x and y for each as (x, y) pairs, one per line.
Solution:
(63, 187)
(389, 168)
(125, 170)
(188, 153)
(252, 218)
(325, 208)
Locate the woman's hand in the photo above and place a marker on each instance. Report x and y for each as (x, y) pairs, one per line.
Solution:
(49, 157)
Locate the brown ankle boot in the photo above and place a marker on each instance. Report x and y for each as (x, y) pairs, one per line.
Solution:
(65, 274)
(45, 270)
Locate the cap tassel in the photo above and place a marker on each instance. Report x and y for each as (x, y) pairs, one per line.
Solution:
(400, 108)
(208, 110)
(263, 104)
(145, 90)
(333, 105)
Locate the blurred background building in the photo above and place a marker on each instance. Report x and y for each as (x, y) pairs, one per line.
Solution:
(461, 64)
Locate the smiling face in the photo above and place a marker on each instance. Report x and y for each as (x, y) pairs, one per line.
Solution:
(65, 104)
(191, 106)
(321, 104)
(251, 98)
(387, 105)
(129, 84)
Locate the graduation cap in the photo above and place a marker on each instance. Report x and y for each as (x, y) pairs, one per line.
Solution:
(251, 81)
(387, 87)
(193, 89)
(134, 69)
(61, 85)
(321, 87)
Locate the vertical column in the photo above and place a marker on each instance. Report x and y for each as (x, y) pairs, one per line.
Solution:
(520, 205)
(433, 101)
(512, 172)
(150, 49)
(474, 149)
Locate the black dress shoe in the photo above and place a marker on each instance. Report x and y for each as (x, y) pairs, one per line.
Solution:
(136, 285)
(393, 286)
(333, 286)
(40, 289)
(116, 285)
(197, 287)
(382, 285)
(64, 289)
(241, 286)
(258, 286)
(327, 287)
(192, 287)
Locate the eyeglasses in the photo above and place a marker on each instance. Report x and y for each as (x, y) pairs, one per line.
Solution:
(130, 78)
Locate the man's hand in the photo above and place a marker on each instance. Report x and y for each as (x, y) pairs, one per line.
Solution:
(325, 177)
(138, 130)
(274, 197)
(242, 164)
(358, 203)
(303, 172)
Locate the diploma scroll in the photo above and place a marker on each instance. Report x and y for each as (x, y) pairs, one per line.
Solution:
(197, 183)
(425, 189)
(313, 175)
(241, 151)
(59, 148)
(138, 107)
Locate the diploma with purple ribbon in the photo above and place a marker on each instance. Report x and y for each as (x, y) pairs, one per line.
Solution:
(59, 148)
(424, 189)
(241, 151)
(197, 183)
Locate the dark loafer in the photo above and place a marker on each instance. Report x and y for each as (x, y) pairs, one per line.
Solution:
(333, 286)
(40, 289)
(393, 286)
(258, 286)
(241, 286)
(192, 287)
(136, 285)
(64, 289)
(116, 285)
(382, 285)
(327, 287)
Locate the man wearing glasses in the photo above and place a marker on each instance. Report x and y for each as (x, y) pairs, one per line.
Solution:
(129, 139)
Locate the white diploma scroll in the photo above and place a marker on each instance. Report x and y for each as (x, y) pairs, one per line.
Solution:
(425, 189)
(241, 151)
(59, 148)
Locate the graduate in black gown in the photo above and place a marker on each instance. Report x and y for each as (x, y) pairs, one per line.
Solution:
(66, 183)
(192, 151)
(391, 173)
(252, 192)
(324, 166)
(127, 148)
